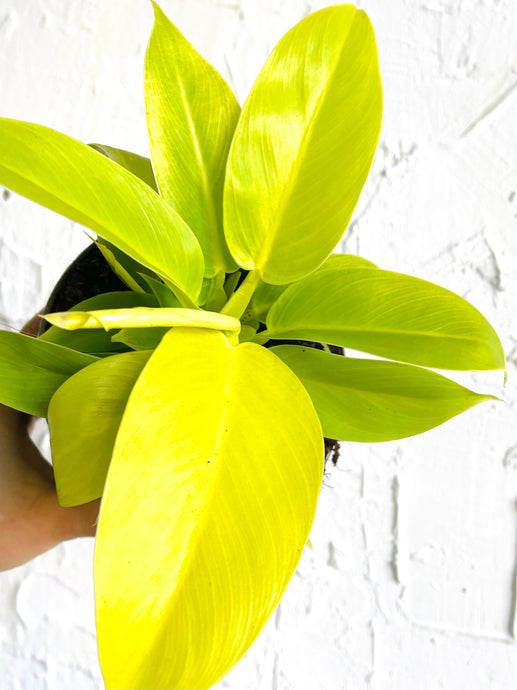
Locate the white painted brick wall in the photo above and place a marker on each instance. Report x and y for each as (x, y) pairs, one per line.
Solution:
(412, 581)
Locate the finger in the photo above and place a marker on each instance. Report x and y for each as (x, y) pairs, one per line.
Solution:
(78, 521)
(32, 327)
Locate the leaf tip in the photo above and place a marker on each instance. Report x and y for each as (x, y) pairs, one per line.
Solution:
(159, 14)
(70, 321)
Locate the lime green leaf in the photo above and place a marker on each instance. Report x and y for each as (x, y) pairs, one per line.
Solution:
(370, 400)
(80, 183)
(247, 333)
(84, 416)
(125, 267)
(140, 338)
(231, 282)
(164, 296)
(31, 370)
(304, 145)
(191, 116)
(89, 341)
(213, 295)
(387, 314)
(118, 269)
(143, 317)
(95, 341)
(138, 165)
(266, 294)
(208, 504)
(345, 261)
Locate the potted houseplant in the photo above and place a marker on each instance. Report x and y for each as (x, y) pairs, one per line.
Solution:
(173, 399)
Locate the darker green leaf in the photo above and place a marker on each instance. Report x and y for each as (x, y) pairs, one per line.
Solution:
(31, 370)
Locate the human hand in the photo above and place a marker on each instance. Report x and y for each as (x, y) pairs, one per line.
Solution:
(31, 519)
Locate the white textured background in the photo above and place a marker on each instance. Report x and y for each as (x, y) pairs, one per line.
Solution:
(412, 581)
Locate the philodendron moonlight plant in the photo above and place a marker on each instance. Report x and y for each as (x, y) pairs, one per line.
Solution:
(205, 445)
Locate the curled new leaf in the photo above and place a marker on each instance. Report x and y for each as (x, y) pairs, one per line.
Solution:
(143, 317)
(208, 505)
(97, 340)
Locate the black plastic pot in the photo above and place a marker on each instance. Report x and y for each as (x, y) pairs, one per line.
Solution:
(88, 275)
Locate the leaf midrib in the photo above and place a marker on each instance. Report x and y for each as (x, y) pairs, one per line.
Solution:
(298, 332)
(463, 393)
(90, 220)
(208, 192)
(198, 532)
(271, 234)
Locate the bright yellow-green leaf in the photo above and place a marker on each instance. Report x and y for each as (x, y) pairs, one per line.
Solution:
(212, 295)
(344, 262)
(266, 294)
(208, 504)
(31, 370)
(138, 165)
(71, 178)
(140, 338)
(191, 116)
(231, 282)
(84, 416)
(247, 333)
(118, 268)
(387, 314)
(370, 400)
(143, 317)
(304, 145)
(163, 294)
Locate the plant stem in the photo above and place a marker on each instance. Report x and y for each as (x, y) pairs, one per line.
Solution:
(236, 305)
(231, 283)
(260, 338)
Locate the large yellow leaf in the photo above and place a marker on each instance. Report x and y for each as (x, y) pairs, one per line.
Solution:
(303, 145)
(208, 504)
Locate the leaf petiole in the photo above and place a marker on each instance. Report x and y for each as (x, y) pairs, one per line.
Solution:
(236, 305)
(231, 283)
